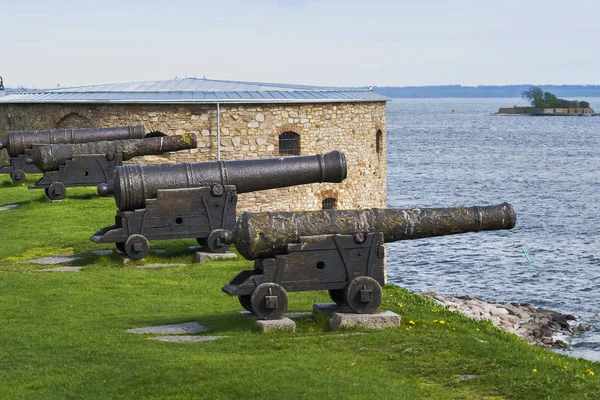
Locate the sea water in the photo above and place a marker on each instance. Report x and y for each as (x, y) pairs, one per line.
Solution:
(548, 168)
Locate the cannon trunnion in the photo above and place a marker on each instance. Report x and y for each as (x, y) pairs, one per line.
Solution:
(350, 267)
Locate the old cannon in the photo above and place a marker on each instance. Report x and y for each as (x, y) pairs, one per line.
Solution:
(94, 163)
(193, 200)
(17, 144)
(341, 251)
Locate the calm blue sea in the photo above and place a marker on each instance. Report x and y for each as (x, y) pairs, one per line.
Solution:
(548, 168)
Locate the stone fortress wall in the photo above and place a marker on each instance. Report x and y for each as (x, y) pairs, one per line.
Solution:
(247, 131)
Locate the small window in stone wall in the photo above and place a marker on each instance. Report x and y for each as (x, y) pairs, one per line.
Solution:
(329, 203)
(378, 140)
(289, 144)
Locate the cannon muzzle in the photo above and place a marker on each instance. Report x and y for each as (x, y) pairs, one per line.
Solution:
(134, 184)
(17, 142)
(258, 235)
(51, 157)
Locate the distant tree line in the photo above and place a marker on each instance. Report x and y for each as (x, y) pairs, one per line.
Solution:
(484, 91)
(540, 99)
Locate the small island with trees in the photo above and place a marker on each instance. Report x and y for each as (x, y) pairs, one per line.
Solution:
(545, 103)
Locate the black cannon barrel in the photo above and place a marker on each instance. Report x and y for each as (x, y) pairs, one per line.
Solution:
(17, 142)
(266, 234)
(51, 157)
(133, 184)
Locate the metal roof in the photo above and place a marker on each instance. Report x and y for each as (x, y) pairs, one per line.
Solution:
(195, 91)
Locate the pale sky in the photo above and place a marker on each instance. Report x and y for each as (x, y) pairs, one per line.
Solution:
(330, 43)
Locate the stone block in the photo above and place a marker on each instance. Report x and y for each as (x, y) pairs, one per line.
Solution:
(172, 329)
(203, 257)
(274, 325)
(62, 269)
(53, 260)
(382, 319)
(186, 339)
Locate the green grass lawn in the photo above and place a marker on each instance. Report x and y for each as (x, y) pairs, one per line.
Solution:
(62, 335)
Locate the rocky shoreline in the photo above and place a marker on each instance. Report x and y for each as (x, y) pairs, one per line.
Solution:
(538, 326)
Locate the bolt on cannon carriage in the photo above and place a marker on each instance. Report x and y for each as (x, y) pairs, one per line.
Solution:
(197, 200)
(17, 144)
(94, 163)
(341, 251)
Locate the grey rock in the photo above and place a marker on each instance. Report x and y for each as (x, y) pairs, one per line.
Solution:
(172, 329)
(547, 340)
(596, 317)
(203, 257)
(62, 269)
(53, 260)
(467, 377)
(382, 319)
(9, 207)
(186, 339)
(160, 265)
(561, 344)
(584, 327)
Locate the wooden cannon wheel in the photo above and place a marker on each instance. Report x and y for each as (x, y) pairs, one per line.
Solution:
(268, 301)
(18, 176)
(136, 247)
(120, 246)
(363, 295)
(56, 191)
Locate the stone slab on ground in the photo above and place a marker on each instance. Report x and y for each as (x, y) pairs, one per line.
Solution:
(200, 256)
(62, 269)
(273, 325)
(161, 265)
(9, 207)
(105, 252)
(186, 339)
(330, 308)
(52, 260)
(382, 319)
(172, 329)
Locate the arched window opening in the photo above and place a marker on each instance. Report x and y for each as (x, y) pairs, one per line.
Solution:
(289, 144)
(155, 134)
(74, 120)
(329, 203)
(378, 141)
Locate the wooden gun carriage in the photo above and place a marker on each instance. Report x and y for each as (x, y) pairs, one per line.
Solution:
(341, 251)
(17, 144)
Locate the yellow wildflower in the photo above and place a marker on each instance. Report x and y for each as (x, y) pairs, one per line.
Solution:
(589, 371)
(535, 370)
(442, 322)
(411, 322)
(435, 320)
